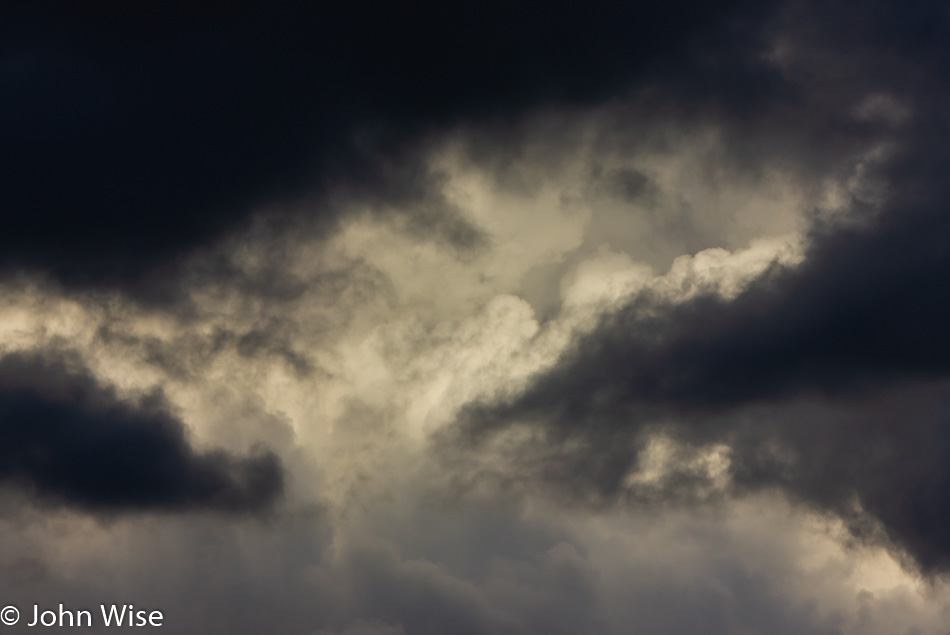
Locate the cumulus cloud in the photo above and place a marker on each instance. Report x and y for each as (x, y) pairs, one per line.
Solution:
(495, 318)
(811, 373)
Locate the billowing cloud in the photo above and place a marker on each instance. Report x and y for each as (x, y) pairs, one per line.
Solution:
(823, 378)
(477, 318)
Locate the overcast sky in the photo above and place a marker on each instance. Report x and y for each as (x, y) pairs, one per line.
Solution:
(586, 318)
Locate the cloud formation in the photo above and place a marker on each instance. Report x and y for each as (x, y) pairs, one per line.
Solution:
(182, 120)
(820, 377)
(68, 441)
(378, 319)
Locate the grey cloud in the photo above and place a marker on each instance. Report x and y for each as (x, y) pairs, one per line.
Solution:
(857, 331)
(666, 577)
(826, 382)
(134, 174)
(362, 627)
(863, 316)
(66, 440)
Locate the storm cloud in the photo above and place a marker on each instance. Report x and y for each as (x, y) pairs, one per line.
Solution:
(500, 317)
(68, 441)
(133, 135)
(785, 372)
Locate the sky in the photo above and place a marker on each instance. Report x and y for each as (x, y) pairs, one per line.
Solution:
(501, 318)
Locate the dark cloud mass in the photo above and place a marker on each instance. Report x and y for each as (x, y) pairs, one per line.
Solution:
(357, 230)
(66, 440)
(827, 379)
(133, 134)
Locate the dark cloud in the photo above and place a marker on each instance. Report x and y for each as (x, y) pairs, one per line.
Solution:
(828, 379)
(134, 134)
(66, 440)
(877, 460)
(185, 357)
(865, 315)
(863, 309)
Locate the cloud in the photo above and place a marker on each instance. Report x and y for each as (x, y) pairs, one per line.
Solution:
(821, 377)
(68, 441)
(858, 322)
(182, 120)
(593, 318)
